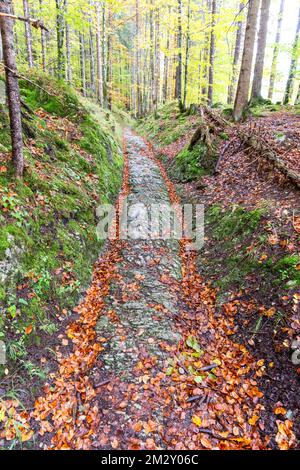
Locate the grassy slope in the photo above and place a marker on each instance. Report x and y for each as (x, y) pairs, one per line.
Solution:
(48, 239)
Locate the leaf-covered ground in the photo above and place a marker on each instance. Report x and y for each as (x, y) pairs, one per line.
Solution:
(150, 362)
(251, 252)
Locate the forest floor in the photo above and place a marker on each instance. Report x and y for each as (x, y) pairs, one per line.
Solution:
(174, 349)
(168, 374)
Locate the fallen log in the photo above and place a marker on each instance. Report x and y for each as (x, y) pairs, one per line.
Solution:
(267, 152)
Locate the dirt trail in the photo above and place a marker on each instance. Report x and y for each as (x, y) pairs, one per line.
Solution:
(152, 364)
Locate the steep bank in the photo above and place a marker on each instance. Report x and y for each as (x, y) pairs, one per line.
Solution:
(48, 240)
(251, 253)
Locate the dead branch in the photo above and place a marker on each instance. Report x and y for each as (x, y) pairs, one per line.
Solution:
(36, 23)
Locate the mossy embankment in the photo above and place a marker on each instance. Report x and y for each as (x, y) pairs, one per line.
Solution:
(48, 239)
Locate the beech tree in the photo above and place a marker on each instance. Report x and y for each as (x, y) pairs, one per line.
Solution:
(236, 57)
(242, 94)
(261, 49)
(293, 67)
(178, 85)
(60, 29)
(12, 87)
(212, 52)
(276, 51)
(28, 34)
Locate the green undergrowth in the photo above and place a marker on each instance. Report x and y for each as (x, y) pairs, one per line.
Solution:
(48, 240)
(167, 125)
(238, 251)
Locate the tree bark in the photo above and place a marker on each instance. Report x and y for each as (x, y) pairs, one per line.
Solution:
(187, 53)
(60, 33)
(166, 68)
(99, 56)
(261, 49)
(109, 72)
(157, 59)
(68, 48)
(12, 88)
(178, 84)
(28, 35)
(152, 57)
(298, 96)
(276, 51)
(82, 64)
(92, 63)
(138, 110)
(293, 67)
(236, 58)
(43, 41)
(212, 52)
(242, 94)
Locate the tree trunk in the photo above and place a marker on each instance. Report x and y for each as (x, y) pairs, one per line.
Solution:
(138, 111)
(68, 48)
(43, 41)
(152, 58)
(242, 94)
(109, 72)
(212, 52)
(104, 55)
(236, 58)
(28, 35)
(92, 63)
(276, 51)
(187, 53)
(60, 32)
(206, 48)
(12, 88)
(166, 64)
(178, 84)
(82, 63)
(99, 56)
(166, 68)
(261, 49)
(293, 68)
(157, 60)
(298, 96)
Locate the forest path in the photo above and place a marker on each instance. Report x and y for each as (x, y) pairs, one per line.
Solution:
(139, 312)
(150, 364)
